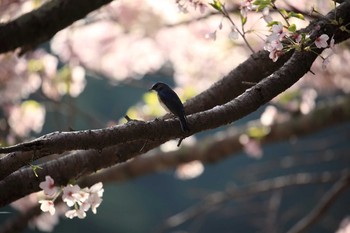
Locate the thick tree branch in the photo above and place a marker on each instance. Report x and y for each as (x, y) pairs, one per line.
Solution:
(40, 25)
(290, 73)
(81, 163)
(217, 148)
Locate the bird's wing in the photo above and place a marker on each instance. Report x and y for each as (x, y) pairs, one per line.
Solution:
(172, 102)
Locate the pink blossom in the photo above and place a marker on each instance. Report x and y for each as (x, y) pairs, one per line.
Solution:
(45, 222)
(189, 170)
(321, 42)
(48, 186)
(266, 15)
(269, 116)
(97, 188)
(71, 194)
(277, 33)
(202, 7)
(94, 201)
(251, 146)
(75, 213)
(275, 48)
(246, 5)
(27, 117)
(297, 37)
(47, 206)
(344, 226)
(275, 54)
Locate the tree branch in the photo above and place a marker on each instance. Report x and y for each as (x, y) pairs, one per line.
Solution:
(259, 187)
(211, 150)
(325, 203)
(41, 24)
(216, 148)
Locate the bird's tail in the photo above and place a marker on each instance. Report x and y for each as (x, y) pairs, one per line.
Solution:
(183, 123)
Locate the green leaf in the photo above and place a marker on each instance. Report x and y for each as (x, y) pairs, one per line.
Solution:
(270, 24)
(244, 20)
(286, 97)
(292, 28)
(284, 12)
(261, 4)
(334, 22)
(216, 4)
(296, 15)
(258, 132)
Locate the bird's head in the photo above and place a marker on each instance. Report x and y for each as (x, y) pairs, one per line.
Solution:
(159, 86)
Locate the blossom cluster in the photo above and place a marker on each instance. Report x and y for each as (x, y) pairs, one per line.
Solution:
(196, 4)
(283, 37)
(81, 199)
(280, 41)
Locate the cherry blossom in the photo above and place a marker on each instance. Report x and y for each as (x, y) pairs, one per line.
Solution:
(297, 37)
(71, 194)
(47, 206)
(189, 170)
(277, 32)
(246, 5)
(251, 146)
(275, 48)
(80, 213)
(26, 117)
(97, 188)
(48, 186)
(45, 222)
(266, 15)
(82, 199)
(269, 116)
(344, 226)
(183, 5)
(321, 42)
(94, 201)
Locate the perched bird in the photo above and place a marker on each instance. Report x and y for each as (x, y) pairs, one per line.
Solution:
(171, 102)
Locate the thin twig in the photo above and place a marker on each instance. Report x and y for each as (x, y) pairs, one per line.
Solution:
(325, 203)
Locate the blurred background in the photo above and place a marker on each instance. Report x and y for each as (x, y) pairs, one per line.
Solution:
(93, 73)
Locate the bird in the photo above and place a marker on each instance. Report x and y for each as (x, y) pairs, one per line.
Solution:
(171, 102)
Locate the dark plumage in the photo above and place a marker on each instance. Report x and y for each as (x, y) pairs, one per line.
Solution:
(171, 102)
